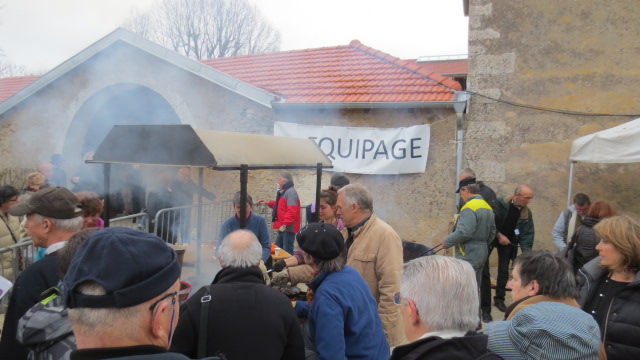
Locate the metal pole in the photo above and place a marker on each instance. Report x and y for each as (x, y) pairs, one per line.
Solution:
(107, 184)
(459, 150)
(199, 222)
(570, 183)
(318, 188)
(244, 176)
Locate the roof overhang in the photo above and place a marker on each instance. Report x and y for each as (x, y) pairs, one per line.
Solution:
(121, 35)
(181, 146)
(367, 105)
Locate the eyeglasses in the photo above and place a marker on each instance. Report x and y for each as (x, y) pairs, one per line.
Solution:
(173, 302)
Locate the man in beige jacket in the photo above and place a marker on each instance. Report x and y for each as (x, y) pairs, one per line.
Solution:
(374, 249)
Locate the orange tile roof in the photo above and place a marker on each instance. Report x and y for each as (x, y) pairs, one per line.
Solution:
(339, 74)
(11, 85)
(447, 67)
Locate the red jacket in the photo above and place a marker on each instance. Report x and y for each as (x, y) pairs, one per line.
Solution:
(288, 210)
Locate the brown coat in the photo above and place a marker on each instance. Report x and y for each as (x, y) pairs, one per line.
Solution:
(6, 240)
(376, 254)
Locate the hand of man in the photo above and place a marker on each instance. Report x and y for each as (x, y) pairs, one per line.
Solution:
(503, 239)
(282, 228)
(279, 266)
(280, 279)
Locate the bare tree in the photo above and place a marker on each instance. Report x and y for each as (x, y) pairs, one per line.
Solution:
(9, 69)
(203, 29)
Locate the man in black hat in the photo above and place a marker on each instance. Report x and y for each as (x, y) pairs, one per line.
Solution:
(343, 319)
(122, 290)
(475, 229)
(53, 216)
(245, 319)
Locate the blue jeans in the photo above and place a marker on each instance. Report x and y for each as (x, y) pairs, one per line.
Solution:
(288, 238)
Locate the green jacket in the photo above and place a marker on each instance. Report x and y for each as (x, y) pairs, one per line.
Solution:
(524, 225)
(475, 229)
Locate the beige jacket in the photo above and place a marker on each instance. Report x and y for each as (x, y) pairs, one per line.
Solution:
(376, 254)
(6, 240)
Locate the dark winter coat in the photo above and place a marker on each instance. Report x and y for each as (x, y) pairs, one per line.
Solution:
(525, 223)
(247, 320)
(470, 346)
(582, 247)
(622, 326)
(26, 292)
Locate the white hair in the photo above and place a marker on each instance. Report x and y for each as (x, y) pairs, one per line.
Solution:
(66, 225)
(357, 194)
(89, 321)
(240, 248)
(444, 290)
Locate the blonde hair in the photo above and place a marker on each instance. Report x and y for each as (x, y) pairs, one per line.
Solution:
(624, 233)
(35, 178)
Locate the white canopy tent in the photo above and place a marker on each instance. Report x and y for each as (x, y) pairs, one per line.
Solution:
(617, 145)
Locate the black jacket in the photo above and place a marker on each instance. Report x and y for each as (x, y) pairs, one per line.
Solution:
(247, 320)
(26, 292)
(584, 249)
(622, 327)
(470, 346)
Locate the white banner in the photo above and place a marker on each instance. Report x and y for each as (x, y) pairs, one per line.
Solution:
(365, 150)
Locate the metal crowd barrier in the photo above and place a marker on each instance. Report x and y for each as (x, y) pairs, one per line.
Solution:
(178, 225)
(19, 256)
(138, 221)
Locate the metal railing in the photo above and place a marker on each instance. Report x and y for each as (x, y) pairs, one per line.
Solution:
(178, 225)
(18, 256)
(138, 221)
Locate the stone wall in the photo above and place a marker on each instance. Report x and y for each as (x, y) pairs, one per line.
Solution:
(571, 56)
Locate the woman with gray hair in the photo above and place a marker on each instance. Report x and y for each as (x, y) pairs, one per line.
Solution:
(343, 321)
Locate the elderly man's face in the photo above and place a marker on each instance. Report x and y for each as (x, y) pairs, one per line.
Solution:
(281, 181)
(348, 212)
(37, 230)
(524, 197)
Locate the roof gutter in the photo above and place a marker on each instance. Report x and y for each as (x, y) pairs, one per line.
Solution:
(371, 105)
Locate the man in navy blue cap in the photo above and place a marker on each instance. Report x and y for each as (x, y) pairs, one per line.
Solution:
(122, 293)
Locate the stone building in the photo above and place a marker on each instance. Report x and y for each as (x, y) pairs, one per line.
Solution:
(124, 79)
(541, 74)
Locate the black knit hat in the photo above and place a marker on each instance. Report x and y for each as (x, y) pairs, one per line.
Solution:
(320, 240)
(339, 179)
(131, 265)
(464, 182)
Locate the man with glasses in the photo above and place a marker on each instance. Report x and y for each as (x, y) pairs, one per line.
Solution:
(515, 229)
(570, 219)
(439, 305)
(122, 290)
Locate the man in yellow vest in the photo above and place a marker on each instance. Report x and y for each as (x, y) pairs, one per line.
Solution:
(474, 230)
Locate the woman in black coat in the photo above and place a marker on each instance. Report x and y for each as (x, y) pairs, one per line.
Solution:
(610, 286)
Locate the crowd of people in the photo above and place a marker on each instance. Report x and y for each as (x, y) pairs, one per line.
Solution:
(85, 300)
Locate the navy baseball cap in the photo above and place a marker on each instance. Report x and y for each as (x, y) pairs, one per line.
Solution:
(131, 265)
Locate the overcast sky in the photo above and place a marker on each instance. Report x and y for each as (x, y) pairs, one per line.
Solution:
(41, 34)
